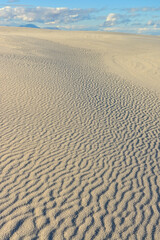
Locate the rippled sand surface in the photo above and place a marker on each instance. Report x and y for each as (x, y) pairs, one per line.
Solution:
(80, 135)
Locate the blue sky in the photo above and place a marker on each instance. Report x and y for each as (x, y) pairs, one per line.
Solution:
(138, 16)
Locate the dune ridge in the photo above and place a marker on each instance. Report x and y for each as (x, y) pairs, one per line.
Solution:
(80, 141)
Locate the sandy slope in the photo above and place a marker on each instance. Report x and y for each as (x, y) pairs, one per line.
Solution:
(80, 139)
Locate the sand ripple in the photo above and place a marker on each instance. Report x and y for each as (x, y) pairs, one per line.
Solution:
(79, 147)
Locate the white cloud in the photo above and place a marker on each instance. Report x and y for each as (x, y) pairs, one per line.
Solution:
(150, 23)
(114, 19)
(45, 14)
(153, 24)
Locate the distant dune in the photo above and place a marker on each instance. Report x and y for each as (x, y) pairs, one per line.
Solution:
(80, 135)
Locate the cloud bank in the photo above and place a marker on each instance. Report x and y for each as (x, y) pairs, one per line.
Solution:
(45, 14)
(134, 20)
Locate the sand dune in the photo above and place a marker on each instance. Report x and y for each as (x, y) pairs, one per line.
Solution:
(80, 139)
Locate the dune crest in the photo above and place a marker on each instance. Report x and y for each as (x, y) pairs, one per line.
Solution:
(80, 145)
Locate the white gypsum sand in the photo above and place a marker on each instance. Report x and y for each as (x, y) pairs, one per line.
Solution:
(79, 154)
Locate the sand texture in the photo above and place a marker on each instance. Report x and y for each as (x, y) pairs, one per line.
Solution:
(79, 135)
